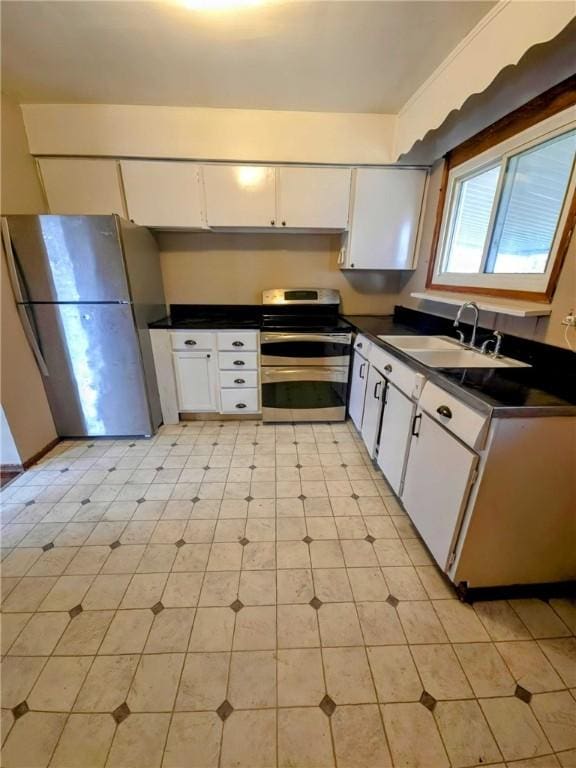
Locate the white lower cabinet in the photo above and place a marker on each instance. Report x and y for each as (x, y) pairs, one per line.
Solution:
(395, 433)
(195, 374)
(373, 402)
(358, 381)
(439, 475)
(239, 400)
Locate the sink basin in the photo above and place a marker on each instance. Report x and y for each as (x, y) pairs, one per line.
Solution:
(421, 342)
(463, 358)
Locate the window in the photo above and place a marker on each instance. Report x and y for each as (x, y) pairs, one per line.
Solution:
(505, 211)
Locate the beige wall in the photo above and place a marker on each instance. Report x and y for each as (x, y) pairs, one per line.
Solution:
(546, 329)
(220, 268)
(21, 389)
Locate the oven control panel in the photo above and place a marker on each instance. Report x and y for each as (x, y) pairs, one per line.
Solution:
(288, 296)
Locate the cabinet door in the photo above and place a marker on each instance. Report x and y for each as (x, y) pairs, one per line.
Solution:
(313, 198)
(164, 194)
(386, 207)
(395, 435)
(240, 195)
(195, 381)
(438, 477)
(75, 186)
(358, 389)
(373, 409)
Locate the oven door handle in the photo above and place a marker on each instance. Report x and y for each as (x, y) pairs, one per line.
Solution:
(330, 338)
(277, 375)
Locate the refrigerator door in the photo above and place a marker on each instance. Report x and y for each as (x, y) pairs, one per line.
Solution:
(95, 383)
(68, 258)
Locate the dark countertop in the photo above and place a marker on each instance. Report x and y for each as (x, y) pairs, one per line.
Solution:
(546, 389)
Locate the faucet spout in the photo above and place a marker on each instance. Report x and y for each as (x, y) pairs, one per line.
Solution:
(469, 305)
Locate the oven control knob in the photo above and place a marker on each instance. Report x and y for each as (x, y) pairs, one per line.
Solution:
(238, 362)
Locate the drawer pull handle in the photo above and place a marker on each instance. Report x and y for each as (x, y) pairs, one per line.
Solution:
(190, 342)
(388, 368)
(240, 405)
(361, 371)
(237, 343)
(417, 420)
(376, 387)
(443, 410)
(239, 381)
(239, 362)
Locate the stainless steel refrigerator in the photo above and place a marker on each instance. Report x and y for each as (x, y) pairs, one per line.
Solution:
(86, 288)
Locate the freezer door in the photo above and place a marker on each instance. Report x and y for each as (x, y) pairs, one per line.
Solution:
(68, 258)
(95, 382)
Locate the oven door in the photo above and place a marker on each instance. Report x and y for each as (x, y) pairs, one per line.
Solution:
(297, 349)
(304, 393)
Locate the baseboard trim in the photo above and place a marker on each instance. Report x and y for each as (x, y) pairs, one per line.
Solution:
(210, 416)
(40, 455)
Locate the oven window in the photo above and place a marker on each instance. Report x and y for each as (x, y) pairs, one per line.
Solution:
(304, 394)
(302, 349)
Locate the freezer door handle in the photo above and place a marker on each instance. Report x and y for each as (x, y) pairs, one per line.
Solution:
(32, 340)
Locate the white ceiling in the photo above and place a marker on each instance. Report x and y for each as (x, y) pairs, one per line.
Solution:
(343, 56)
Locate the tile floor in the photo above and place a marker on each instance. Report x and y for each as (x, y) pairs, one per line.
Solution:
(252, 596)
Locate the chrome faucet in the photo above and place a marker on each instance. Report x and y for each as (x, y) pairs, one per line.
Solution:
(474, 306)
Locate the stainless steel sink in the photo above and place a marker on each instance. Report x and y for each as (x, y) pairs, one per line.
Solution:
(421, 342)
(444, 352)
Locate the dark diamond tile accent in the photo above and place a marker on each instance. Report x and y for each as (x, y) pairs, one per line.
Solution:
(354, 496)
(225, 710)
(237, 605)
(307, 540)
(298, 466)
(302, 497)
(29, 503)
(115, 544)
(91, 445)
(73, 612)
(180, 543)
(393, 601)
(344, 465)
(206, 468)
(370, 538)
(85, 501)
(131, 445)
(428, 701)
(523, 694)
(335, 442)
(20, 709)
(315, 603)
(112, 469)
(159, 469)
(252, 466)
(255, 443)
(64, 470)
(156, 608)
(121, 713)
(244, 541)
(140, 500)
(249, 498)
(327, 706)
(295, 442)
(195, 499)
(48, 546)
(184, 426)
(214, 443)
(173, 445)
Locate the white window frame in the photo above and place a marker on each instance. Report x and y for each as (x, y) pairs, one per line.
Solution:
(498, 155)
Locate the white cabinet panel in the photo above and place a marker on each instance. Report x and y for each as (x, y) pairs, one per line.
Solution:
(358, 381)
(75, 186)
(313, 198)
(395, 435)
(239, 401)
(240, 195)
(164, 194)
(372, 409)
(438, 477)
(238, 340)
(386, 207)
(238, 379)
(238, 361)
(190, 341)
(195, 381)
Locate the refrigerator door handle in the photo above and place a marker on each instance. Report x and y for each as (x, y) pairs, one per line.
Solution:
(32, 340)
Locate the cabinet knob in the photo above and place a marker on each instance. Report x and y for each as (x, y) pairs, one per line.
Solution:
(388, 368)
(359, 345)
(238, 362)
(239, 381)
(237, 343)
(443, 410)
(272, 222)
(240, 405)
(190, 342)
(283, 223)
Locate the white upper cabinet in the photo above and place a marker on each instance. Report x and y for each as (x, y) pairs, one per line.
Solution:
(77, 186)
(313, 198)
(386, 208)
(240, 195)
(164, 194)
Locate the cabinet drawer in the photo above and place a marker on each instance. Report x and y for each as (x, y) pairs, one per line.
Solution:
(192, 340)
(407, 380)
(238, 379)
(457, 417)
(239, 401)
(362, 345)
(241, 341)
(236, 361)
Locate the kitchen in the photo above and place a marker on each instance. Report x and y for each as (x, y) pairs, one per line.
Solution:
(285, 460)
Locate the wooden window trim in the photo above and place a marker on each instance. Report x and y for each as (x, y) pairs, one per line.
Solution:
(547, 104)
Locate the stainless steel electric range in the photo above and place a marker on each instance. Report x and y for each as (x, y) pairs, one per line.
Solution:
(305, 355)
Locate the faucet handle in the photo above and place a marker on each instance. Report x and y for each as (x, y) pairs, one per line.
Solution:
(460, 335)
(495, 339)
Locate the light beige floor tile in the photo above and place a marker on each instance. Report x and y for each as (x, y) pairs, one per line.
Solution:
(219, 588)
(12, 625)
(203, 682)
(127, 632)
(297, 626)
(225, 557)
(394, 673)
(561, 653)
(556, 713)
(227, 530)
(32, 740)
(255, 629)
(54, 562)
(413, 736)
(213, 629)
(157, 558)
(155, 683)
(546, 761)
(293, 554)
(326, 554)
(566, 609)
(332, 585)
(261, 529)
(58, 684)
(304, 739)
(540, 618)
(358, 553)
(144, 590)
(417, 553)
(107, 684)
(568, 759)
(516, 729)
(359, 739)
(440, 672)
(381, 527)
(529, 666)
(501, 622)
(420, 623)
(170, 631)
(485, 669)
(124, 559)
(182, 590)
(139, 741)
(6, 723)
(18, 675)
(259, 555)
(367, 584)
(40, 634)
(249, 740)
(193, 740)
(351, 527)
(460, 622)
(435, 583)
(252, 682)
(171, 531)
(300, 677)
(321, 528)
(105, 592)
(191, 557)
(85, 741)
(295, 585)
(391, 552)
(84, 633)
(380, 624)
(465, 733)
(257, 587)
(29, 593)
(403, 583)
(339, 625)
(348, 678)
